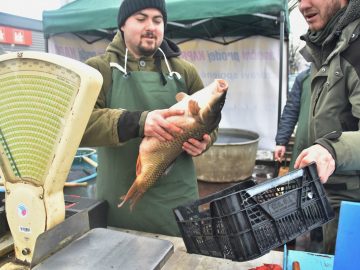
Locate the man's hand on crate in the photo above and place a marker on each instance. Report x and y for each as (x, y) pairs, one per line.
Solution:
(325, 163)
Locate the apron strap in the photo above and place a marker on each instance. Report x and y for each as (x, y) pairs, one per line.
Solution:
(123, 69)
(171, 73)
(116, 65)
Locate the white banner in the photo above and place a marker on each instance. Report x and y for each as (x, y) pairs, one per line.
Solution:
(74, 47)
(251, 67)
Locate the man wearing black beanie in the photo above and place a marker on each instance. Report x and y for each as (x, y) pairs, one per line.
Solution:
(142, 74)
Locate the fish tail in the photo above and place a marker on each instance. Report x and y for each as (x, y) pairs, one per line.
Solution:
(135, 192)
(133, 196)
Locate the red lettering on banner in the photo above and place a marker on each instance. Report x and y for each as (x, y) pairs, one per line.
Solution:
(11, 35)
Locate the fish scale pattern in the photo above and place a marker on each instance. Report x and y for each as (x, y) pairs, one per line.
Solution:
(33, 105)
(165, 158)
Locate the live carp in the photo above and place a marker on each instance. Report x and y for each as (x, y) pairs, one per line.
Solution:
(202, 115)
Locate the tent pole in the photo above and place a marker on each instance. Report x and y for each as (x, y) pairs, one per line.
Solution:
(282, 31)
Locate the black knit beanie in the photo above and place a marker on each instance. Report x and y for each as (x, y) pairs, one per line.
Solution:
(129, 7)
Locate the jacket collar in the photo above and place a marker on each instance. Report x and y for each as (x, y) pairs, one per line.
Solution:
(348, 35)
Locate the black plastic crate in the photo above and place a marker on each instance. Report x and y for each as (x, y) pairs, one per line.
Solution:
(200, 231)
(243, 223)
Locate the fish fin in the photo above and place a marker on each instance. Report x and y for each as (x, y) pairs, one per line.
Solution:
(180, 96)
(168, 169)
(122, 198)
(133, 195)
(194, 107)
(134, 201)
(138, 165)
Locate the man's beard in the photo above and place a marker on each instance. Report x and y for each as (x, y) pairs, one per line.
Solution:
(332, 10)
(148, 51)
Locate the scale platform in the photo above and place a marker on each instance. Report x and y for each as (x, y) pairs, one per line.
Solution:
(82, 241)
(109, 249)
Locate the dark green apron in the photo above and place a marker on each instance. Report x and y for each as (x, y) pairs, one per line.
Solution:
(141, 91)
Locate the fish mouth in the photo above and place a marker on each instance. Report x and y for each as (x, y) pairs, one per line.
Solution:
(223, 85)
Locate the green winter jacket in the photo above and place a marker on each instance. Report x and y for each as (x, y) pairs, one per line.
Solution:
(104, 125)
(335, 103)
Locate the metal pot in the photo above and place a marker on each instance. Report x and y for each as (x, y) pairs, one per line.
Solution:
(231, 158)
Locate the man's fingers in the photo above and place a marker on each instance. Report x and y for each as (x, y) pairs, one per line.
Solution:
(168, 126)
(206, 139)
(279, 153)
(306, 160)
(189, 148)
(299, 159)
(171, 128)
(162, 135)
(172, 112)
(325, 163)
(194, 147)
(157, 125)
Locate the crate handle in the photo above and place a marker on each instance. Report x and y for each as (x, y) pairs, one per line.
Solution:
(275, 182)
(178, 215)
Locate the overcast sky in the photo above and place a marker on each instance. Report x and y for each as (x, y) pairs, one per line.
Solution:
(298, 25)
(28, 8)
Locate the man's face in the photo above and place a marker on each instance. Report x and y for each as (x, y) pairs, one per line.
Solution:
(317, 13)
(144, 32)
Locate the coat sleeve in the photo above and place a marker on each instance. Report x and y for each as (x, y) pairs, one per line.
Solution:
(102, 126)
(290, 114)
(347, 146)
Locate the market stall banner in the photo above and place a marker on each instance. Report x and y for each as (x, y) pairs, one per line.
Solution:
(74, 47)
(251, 67)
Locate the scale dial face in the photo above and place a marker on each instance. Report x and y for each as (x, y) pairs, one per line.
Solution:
(35, 97)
